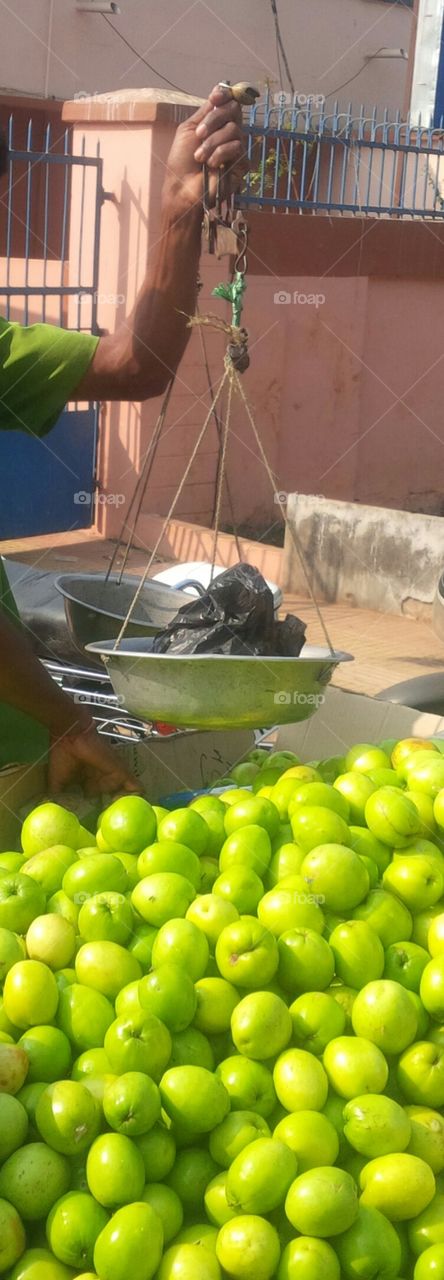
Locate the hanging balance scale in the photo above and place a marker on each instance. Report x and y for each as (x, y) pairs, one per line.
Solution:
(217, 691)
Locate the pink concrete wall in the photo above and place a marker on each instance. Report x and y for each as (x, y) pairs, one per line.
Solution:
(329, 379)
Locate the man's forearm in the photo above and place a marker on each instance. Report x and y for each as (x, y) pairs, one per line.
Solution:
(26, 685)
(139, 359)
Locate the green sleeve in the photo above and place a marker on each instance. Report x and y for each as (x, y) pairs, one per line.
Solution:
(40, 368)
(22, 739)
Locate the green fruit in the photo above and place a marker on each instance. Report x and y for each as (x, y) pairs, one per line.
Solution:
(158, 1151)
(130, 1244)
(248, 846)
(307, 1258)
(30, 993)
(33, 1178)
(167, 855)
(216, 1000)
(138, 1042)
(315, 825)
(405, 963)
(317, 1018)
(181, 942)
(261, 1025)
(12, 1236)
(252, 811)
(248, 1248)
(336, 875)
(427, 1136)
(187, 1261)
(290, 905)
(72, 1228)
(392, 817)
(115, 1170)
(387, 915)
(375, 1125)
(49, 1053)
(306, 961)
(249, 1085)
(193, 1170)
(241, 887)
(84, 1016)
(40, 1264)
(420, 1074)
(358, 953)
(300, 1081)
(354, 1065)
(216, 1204)
(427, 1228)
(370, 1247)
(430, 1264)
(312, 1138)
(11, 951)
(13, 1125)
(131, 1103)
(168, 993)
(97, 874)
(259, 1177)
(247, 953)
(237, 1131)
(322, 795)
(194, 1098)
(67, 1117)
(384, 1013)
(400, 1185)
(322, 1202)
(106, 917)
(168, 1207)
(159, 897)
(128, 825)
(190, 1048)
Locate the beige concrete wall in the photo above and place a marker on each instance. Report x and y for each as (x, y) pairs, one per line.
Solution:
(49, 48)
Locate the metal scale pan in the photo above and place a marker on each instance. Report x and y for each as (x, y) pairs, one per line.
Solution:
(96, 606)
(214, 691)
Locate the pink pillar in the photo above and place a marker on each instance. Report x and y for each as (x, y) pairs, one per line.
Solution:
(132, 132)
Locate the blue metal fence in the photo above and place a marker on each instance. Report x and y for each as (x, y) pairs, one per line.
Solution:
(35, 215)
(308, 158)
(49, 485)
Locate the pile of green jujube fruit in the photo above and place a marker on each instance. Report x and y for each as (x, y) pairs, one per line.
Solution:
(222, 1029)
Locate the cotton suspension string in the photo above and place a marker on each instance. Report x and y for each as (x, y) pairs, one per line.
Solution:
(221, 475)
(169, 515)
(140, 489)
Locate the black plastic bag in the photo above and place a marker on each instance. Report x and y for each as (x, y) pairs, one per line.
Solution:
(235, 616)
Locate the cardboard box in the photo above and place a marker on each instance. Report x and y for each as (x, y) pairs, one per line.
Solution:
(195, 761)
(185, 762)
(346, 718)
(20, 785)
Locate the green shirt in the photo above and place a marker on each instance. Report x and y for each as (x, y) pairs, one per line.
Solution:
(40, 368)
